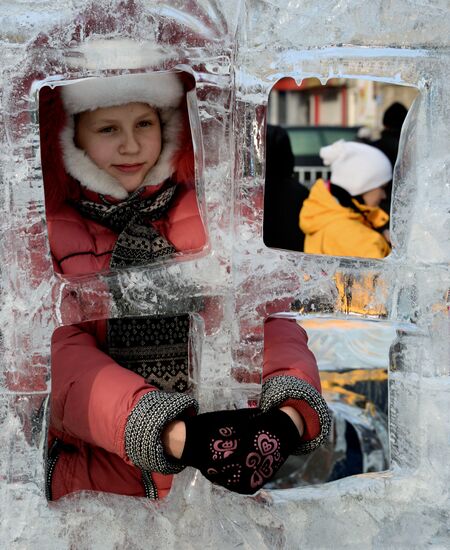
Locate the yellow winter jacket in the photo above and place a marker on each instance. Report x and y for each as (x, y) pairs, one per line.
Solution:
(336, 230)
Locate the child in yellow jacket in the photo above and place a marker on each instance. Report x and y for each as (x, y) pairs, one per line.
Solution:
(341, 217)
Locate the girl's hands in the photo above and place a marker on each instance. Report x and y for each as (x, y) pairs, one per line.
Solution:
(242, 449)
(174, 438)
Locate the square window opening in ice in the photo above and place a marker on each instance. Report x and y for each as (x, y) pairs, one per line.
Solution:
(120, 179)
(353, 360)
(324, 195)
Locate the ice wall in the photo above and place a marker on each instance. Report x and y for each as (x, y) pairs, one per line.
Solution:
(236, 51)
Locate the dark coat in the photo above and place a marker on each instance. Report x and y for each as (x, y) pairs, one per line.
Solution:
(283, 196)
(388, 144)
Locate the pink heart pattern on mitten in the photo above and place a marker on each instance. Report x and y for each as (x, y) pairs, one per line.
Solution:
(223, 448)
(240, 449)
(263, 460)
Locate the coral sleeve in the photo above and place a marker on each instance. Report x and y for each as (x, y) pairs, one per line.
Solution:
(93, 397)
(291, 377)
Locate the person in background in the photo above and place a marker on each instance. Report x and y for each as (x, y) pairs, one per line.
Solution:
(283, 194)
(341, 216)
(393, 119)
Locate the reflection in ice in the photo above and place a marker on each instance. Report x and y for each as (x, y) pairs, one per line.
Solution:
(353, 356)
(359, 441)
(341, 344)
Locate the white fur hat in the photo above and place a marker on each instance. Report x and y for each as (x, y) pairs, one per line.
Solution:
(356, 167)
(161, 90)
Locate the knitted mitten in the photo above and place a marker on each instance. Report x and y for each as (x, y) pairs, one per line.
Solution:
(240, 450)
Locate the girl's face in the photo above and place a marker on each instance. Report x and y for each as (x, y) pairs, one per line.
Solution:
(374, 196)
(124, 141)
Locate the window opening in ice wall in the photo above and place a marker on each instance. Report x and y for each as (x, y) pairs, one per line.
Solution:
(301, 121)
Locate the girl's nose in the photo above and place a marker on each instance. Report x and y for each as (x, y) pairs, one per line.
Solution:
(129, 144)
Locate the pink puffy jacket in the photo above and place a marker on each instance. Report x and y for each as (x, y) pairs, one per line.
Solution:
(93, 398)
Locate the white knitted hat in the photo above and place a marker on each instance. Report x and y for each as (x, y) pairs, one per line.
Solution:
(161, 90)
(356, 167)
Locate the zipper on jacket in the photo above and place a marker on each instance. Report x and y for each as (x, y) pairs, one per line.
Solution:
(52, 459)
(149, 485)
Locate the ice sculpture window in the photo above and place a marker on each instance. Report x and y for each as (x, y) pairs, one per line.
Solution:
(117, 153)
(162, 351)
(353, 359)
(331, 150)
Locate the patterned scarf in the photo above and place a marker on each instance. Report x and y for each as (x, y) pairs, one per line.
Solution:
(153, 347)
(138, 243)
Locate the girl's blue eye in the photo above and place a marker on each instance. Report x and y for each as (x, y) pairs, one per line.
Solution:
(145, 123)
(106, 130)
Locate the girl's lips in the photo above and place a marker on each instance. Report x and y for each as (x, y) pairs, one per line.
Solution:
(129, 168)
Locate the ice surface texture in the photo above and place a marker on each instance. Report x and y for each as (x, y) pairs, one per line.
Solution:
(237, 50)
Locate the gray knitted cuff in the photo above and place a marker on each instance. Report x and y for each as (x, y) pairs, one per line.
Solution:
(145, 424)
(279, 389)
